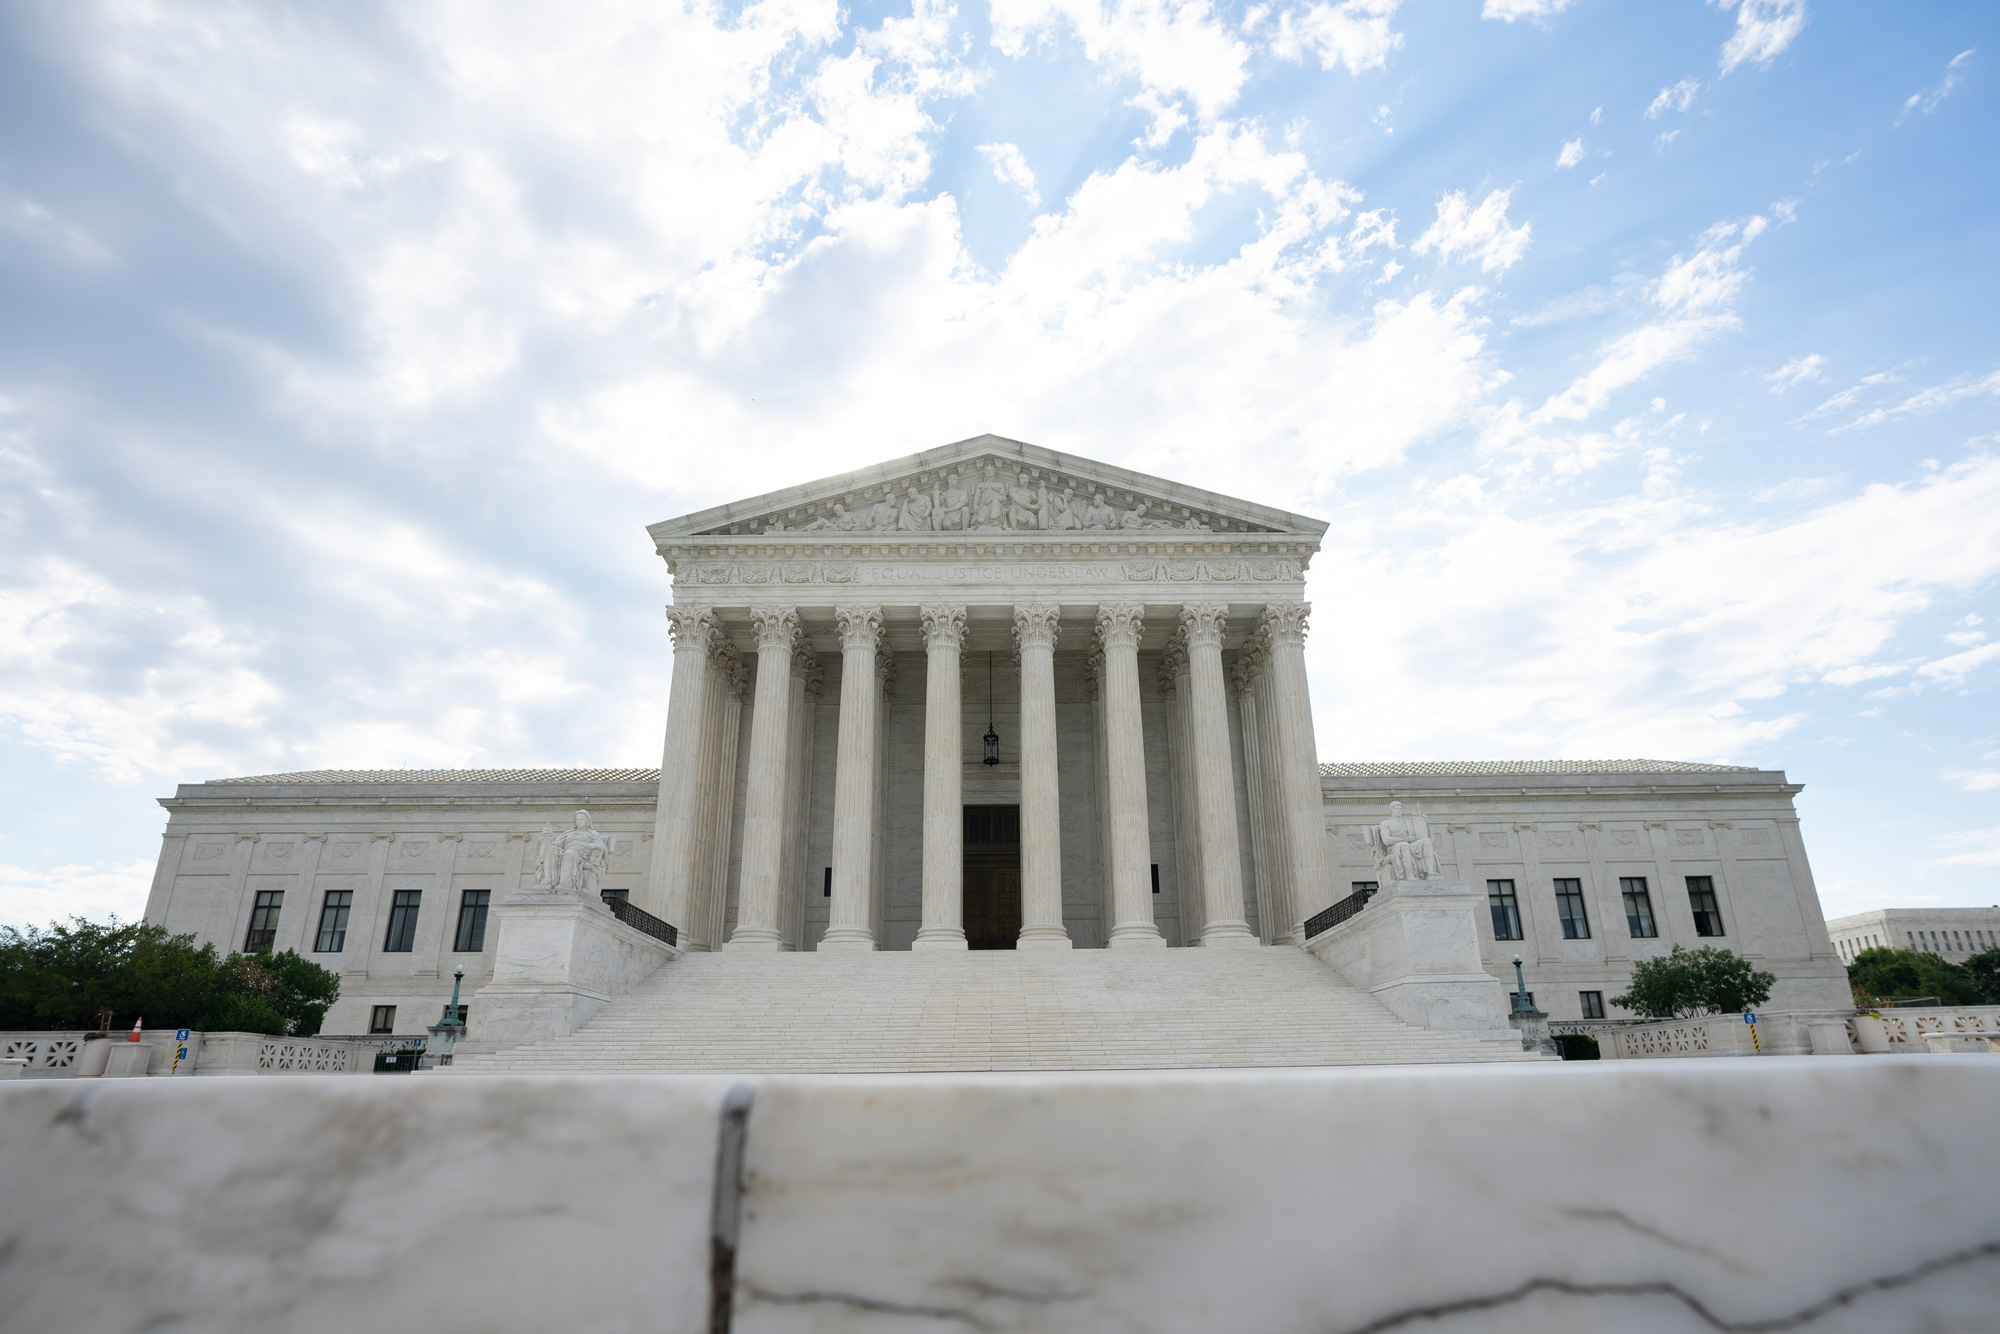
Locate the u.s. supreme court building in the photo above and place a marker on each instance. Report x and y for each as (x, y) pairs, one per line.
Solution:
(1040, 728)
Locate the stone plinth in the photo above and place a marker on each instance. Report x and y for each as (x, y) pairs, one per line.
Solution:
(1415, 948)
(1340, 1200)
(558, 962)
(127, 1060)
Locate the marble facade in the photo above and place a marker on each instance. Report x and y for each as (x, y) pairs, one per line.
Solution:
(839, 649)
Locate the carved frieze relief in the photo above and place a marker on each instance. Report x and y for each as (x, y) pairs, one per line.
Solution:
(753, 574)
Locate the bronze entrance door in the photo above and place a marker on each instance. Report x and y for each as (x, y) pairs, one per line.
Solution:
(992, 877)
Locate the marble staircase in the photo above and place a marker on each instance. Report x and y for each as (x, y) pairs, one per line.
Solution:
(998, 1010)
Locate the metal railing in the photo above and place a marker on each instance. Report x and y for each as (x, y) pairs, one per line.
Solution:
(1338, 913)
(641, 920)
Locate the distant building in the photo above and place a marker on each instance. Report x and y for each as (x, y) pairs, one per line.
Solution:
(1954, 934)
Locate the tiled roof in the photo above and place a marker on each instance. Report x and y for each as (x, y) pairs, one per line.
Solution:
(1468, 768)
(456, 776)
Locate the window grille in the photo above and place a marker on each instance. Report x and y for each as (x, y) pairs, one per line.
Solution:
(1707, 911)
(472, 921)
(264, 921)
(1569, 907)
(1638, 906)
(402, 937)
(332, 938)
(1505, 908)
(1593, 1004)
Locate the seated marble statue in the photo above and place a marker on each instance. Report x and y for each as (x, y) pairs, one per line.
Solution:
(1402, 845)
(574, 860)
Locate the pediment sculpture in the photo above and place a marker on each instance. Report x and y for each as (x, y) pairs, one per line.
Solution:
(985, 498)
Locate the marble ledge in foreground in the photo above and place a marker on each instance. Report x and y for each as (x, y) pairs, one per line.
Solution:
(1636, 1196)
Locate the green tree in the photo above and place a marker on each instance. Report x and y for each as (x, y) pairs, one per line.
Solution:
(66, 975)
(1881, 973)
(1694, 982)
(1984, 969)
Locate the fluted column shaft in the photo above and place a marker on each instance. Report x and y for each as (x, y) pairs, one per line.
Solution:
(1041, 833)
(1215, 789)
(798, 793)
(1175, 686)
(1244, 693)
(1298, 757)
(854, 783)
(718, 811)
(1277, 812)
(764, 787)
(1118, 629)
(670, 877)
(943, 925)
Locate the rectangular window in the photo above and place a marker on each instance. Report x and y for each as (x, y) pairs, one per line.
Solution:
(1505, 909)
(264, 921)
(1593, 1004)
(622, 895)
(332, 938)
(1638, 907)
(402, 937)
(826, 885)
(1569, 907)
(1707, 912)
(471, 921)
(382, 1019)
(1156, 877)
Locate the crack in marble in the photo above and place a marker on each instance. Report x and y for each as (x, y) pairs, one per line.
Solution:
(1796, 1320)
(1624, 1219)
(874, 1305)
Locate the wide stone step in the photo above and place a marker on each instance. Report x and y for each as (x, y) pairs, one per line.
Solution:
(999, 1010)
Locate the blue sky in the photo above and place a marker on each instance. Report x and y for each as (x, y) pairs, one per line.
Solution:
(1642, 357)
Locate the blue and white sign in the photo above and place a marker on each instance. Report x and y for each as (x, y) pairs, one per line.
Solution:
(1749, 1016)
(180, 1050)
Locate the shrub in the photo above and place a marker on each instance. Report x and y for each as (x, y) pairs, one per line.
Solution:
(1577, 1046)
(1695, 982)
(1881, 973)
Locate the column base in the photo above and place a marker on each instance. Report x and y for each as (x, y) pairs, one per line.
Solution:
(755, 940)
(1228, 935)
(1137, 936)
(940, 938)
(1043, 938)
(848, 940)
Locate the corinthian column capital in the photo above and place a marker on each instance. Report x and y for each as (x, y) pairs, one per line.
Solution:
(1204, 622)
(776, 627)
(860, 627)
(1285, 622)
(1035, 626)
(692, 628)
(1119, 625)
(944, 627)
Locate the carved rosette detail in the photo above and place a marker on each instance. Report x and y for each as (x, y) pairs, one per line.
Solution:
(1203, 623)
(692, 628)
(1035, 626)
(944, 627)
(1285, 622)
(1120, 625)
(860, 627)
(777, 628)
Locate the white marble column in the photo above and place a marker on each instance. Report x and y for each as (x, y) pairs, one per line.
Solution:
(805, 692)
(764, 789)
(854, 783)
(878, 874)
(1285, 917)
(1215, 786)
(943, 925)
(671, 874)
(1243, 690)
(1118, 629)
(1180, 767)
(1093, 692)
(1041, 833)
(1298, 759)
(708, 908)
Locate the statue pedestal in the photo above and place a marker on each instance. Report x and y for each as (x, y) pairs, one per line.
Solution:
(1415, 948)
(558, 962)
(1533, 1026)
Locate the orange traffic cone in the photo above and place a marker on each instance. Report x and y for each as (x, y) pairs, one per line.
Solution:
(137, 1024)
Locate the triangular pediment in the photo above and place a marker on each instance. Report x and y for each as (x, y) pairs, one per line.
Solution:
(988, 484)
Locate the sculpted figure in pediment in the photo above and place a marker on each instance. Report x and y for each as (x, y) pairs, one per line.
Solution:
(1135, 517)
(954, 506)
(989, 501)
(882, 516)
(1099, 514)
(917, 510)
(1058, 512)
(1025, 503)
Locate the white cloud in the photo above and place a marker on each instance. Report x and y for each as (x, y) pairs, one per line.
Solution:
(1010, 168)
(1982, 848)
(1927, 101)
(1921, 403)
(1677, 98)
(1572, 153)
(1973, 780)
(40, 896)
(1954, 669)
(1597, 115)
(1480, 233)
(1764, 28)
(1509, 10)
(1353, 33)
(1172, 48)
(1799, 370)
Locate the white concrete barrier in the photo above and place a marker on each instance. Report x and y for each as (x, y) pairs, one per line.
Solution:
(1632, 1196)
